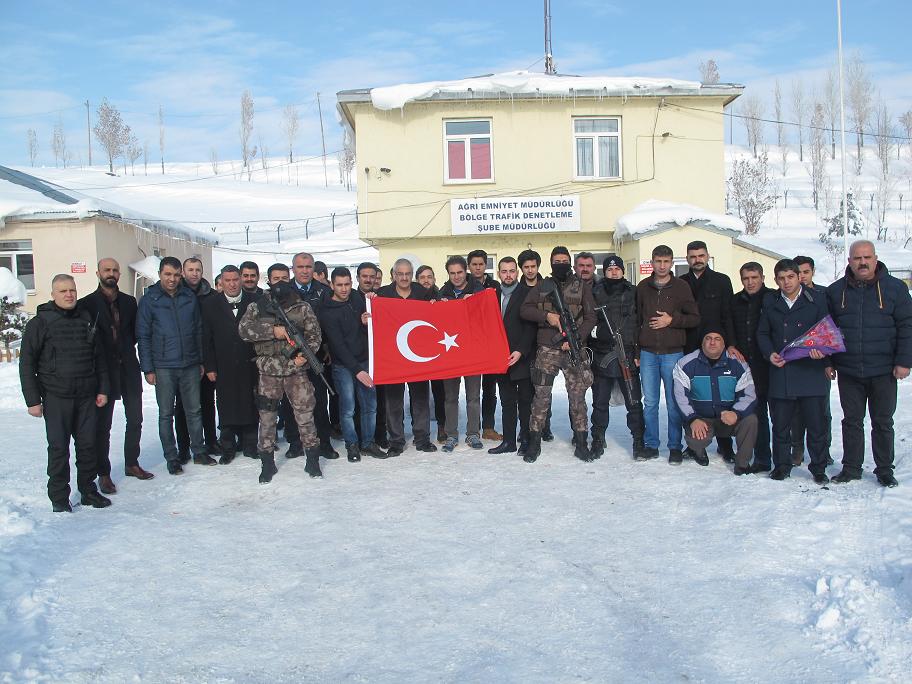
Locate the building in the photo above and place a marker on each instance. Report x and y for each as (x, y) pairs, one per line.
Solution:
(517, 160)
(46, 230)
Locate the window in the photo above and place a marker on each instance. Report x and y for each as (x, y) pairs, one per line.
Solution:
(16, 255)
(597, 148)
(468, 151)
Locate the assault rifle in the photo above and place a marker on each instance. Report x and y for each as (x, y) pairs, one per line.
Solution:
(569, 330)
(623, 362)
(298, 344)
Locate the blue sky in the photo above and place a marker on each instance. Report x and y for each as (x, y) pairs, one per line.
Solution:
(195, 59)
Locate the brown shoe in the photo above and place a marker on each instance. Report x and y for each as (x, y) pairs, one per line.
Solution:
(441, 435)
(106, 484)
(137, 472)
(492, 435)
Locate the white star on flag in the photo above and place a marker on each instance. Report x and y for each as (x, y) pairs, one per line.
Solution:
(448, 341)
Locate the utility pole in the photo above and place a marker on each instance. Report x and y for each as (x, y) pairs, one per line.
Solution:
(89, 131)
(549, 60)
(323, 138)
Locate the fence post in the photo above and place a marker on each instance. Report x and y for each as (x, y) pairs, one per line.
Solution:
(334, 222)
(306, 232)
(900, 201)
(247, 231)
(785, 194)
(871, 208)
(279, 233)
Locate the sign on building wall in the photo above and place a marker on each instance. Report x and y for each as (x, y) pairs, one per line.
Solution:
(646, 267)
(501, 215)
(78, 267)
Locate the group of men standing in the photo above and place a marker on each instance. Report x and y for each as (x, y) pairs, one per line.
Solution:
(297, 353)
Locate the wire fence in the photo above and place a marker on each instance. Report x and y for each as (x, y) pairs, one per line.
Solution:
(288, 231)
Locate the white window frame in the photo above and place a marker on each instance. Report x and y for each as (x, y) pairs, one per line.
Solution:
(15, 268)
(468, 151)
(574, 136)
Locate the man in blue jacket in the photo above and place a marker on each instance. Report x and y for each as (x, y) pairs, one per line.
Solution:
(716, 397)
(874, 311)
(803, 383)
(170, 339)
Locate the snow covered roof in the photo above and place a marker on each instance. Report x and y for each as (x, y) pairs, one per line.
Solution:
(653, 216)
(525, 84)
(26, 197)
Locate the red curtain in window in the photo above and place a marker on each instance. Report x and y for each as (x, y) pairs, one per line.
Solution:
(481, 158)
(456, 159)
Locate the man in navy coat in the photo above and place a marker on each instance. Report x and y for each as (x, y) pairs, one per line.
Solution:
(874, 311)
(803, 383)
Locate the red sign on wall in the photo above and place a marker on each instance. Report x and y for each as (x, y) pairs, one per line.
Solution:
(78, 267)
(646, 267)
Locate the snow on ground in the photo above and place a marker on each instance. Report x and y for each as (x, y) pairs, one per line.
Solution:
(462, 567)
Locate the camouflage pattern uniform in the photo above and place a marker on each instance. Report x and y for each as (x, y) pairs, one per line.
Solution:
(550, 359)
(278, 374)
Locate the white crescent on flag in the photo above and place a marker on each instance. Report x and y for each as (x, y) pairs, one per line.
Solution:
(403, 345)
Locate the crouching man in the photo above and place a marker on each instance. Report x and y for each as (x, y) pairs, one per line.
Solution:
(282, 373)
(64, 378)
(716, 396)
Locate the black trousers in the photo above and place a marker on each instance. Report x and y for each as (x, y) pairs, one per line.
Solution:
(334, 417)
(814, 411)
(68, 418)
(207, 413)
(878, 396)
(246, 434)
(320, 413)
(762, 451)
(438, 389)
(515, 402)
(602, 387)
(419, 405)
(132, 404)
(488, 401)
(798, 429)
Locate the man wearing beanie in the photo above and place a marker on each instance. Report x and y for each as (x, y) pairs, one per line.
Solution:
(615, 300)
(716, 397)
(553, 353)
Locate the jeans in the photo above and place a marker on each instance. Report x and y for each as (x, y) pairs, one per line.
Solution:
(348, 387)
(878, 396)
(169, 383)
(655, 369)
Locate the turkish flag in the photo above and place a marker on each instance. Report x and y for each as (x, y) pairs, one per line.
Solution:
(413, 340)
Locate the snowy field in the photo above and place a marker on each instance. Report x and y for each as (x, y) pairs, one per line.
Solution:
(464, 567)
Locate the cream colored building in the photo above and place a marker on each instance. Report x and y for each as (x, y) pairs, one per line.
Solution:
(590, 147)
(45, 231)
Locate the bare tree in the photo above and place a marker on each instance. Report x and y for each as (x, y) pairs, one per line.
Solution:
(111, 132)
(145, 154)
(161, 136)
(752, 111)
(861, 93)
(290, 126)
(781, 139)
(800, 109)
(246, 129)
(264, 154)
(906, 121)
(132, 151)
(709, 72)
(883, 134)
(32, 145)
(214, 160)
(752, 190)
(818, 153)
(831, 107)
(347, 162)
(58, 144)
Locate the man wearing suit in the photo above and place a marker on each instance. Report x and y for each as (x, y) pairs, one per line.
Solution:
(114, 314)
(515, 386)
(229, 364)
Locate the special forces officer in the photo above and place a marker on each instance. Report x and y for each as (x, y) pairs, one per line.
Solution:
(281, 372)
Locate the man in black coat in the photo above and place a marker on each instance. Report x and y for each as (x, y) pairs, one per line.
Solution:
(366, 275)
(787, 315)
(229, 365)
(745, 316)
(515, 386)
(250, 279)
(477, 261)
(64, 379)
(615, 298)
(114, 313)
(874, 311)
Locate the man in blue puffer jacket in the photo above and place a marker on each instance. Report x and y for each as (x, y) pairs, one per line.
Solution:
(874, 311)
(715, 394)
(169, 337)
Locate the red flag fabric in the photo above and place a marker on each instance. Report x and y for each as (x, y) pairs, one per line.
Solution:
(411, 340)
